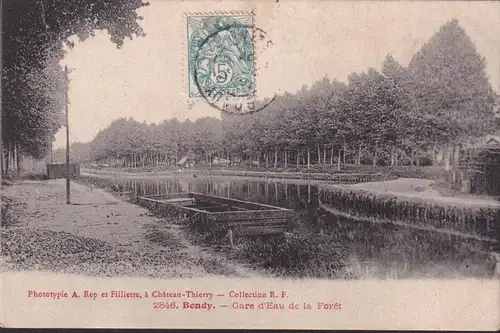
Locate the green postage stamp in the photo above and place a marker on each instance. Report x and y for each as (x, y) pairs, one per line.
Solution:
(221, 56)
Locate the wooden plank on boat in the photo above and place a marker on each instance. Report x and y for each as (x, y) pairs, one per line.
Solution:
(257, 230)
(239, 203)
(168, 196)
(179, 201)
(211, 206)
(239, 208)
(249, 215)
(263, 222)
(243, 227)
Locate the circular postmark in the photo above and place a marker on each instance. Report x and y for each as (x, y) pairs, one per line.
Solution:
(222, 64)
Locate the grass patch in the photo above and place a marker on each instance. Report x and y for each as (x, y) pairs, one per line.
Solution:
(296, 255)
(300, 255)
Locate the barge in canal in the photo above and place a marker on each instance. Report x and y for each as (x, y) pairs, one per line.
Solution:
(219, 214)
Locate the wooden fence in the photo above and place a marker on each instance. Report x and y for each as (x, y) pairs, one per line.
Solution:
(482, 169)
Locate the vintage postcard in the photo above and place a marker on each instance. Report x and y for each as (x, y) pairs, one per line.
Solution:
(250, 164)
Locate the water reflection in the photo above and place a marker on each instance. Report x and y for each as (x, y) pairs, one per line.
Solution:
(378, 249)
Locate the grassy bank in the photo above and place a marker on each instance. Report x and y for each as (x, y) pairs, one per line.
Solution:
(467, 215)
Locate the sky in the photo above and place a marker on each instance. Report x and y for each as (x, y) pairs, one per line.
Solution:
(306, 41)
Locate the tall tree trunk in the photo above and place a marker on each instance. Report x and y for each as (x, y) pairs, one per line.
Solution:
(331, 156)
(286, 158)
(358, 159)
(308, 158)
(338, 160)
(411, 154)
(298, 157)
(392, 155)
(276, 157)
(319, 154)
(344, 152)
(7, 159)
(15, 159)
(1, 159)
(266, 155)
(21, 156)
(434, 154)
(375, 156)
(324, 155)
(455, 155)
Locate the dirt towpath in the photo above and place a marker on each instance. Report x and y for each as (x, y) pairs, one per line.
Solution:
(98, 234)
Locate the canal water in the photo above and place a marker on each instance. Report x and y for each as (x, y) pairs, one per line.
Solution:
(379, 250)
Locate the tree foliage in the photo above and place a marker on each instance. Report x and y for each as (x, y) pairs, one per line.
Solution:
(450, 87)
(34, 34)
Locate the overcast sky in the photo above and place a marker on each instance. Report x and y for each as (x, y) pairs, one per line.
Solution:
(146, 79)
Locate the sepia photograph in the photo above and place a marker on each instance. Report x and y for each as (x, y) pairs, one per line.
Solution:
(221, 158)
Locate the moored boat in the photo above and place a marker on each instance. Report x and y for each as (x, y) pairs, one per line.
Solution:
(219, 214)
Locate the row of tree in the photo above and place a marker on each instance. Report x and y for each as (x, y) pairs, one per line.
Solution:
(442, 99)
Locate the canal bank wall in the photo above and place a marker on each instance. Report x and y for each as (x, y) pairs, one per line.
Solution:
(468, 217)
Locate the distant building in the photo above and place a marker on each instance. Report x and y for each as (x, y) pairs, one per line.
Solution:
(221, 161)
(493, 140)
(489, 139)
(186, 162)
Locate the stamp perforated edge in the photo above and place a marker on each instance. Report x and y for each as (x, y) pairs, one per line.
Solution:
(185, 58)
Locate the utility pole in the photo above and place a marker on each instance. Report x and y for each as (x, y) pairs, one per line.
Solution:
(68, 171)
(1, 89)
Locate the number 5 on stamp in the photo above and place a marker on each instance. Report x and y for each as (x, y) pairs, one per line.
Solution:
(221, 55)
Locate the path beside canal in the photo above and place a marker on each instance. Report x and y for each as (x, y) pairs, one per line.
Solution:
(98, 234)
